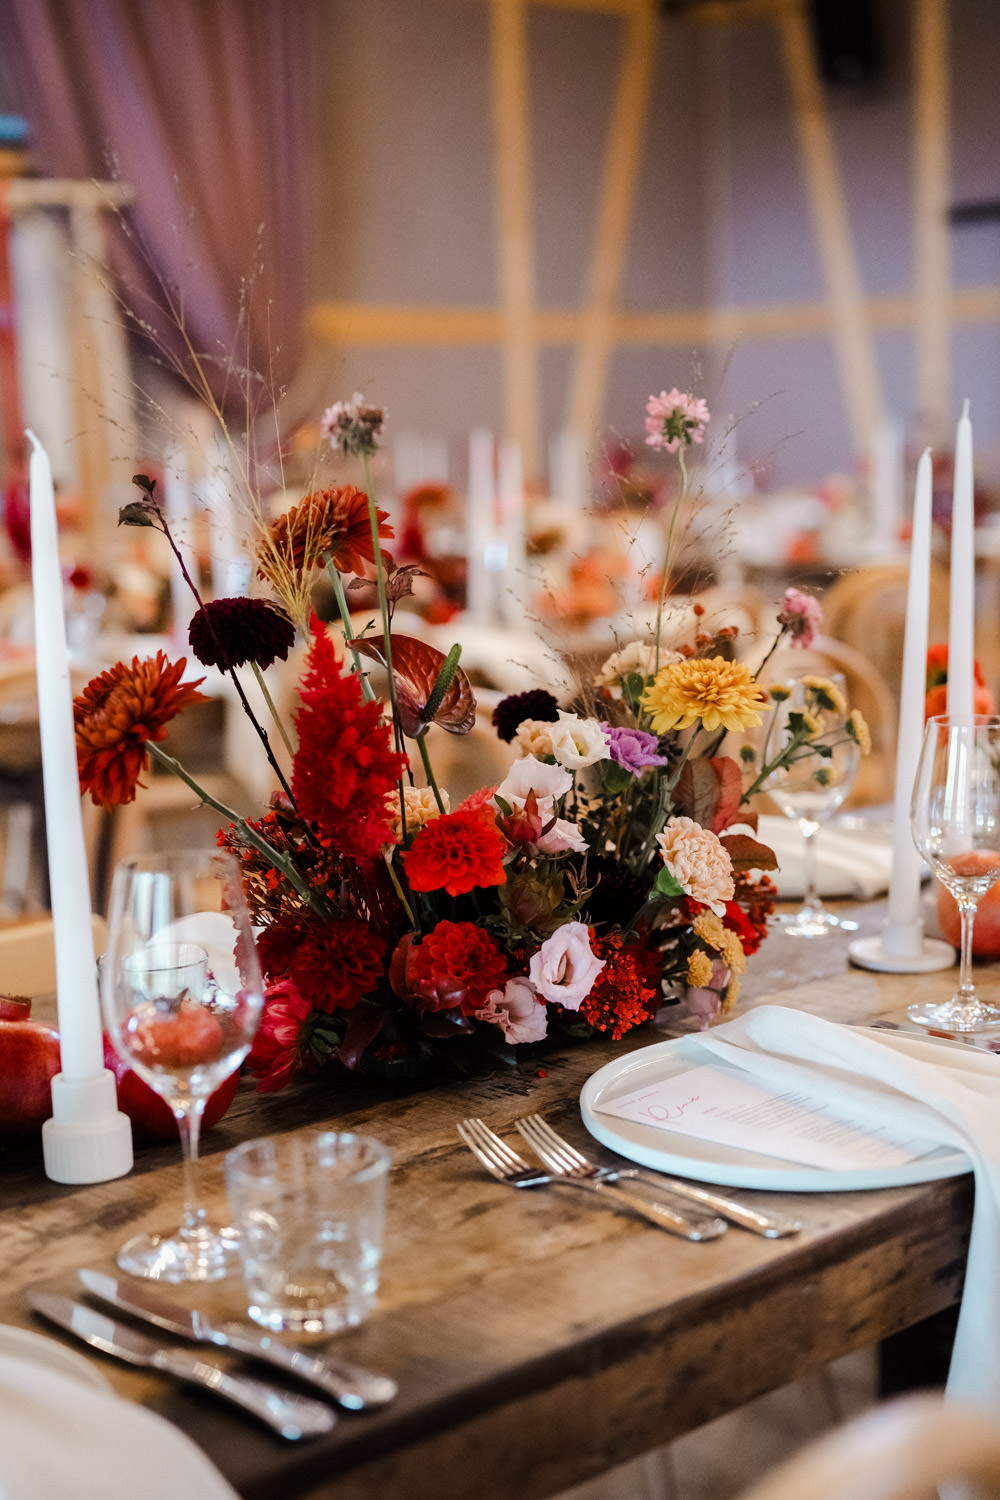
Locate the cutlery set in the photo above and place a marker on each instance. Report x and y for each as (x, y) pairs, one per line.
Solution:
(681, 1208)
(289, 1414)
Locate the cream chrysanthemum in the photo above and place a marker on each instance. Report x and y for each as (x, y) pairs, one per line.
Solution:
(721, 694)
(421, 806)
(534, 737)
(826, 693)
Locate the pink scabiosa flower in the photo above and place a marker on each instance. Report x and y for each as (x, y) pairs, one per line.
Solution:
(674, 419)
(353, 426)
(801, 616)
(699, 862)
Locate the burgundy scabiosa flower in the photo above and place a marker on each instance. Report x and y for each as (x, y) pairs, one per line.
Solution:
(228, 633)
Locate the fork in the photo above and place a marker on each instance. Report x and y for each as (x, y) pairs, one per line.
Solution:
(503, 1163)
(558, 1155)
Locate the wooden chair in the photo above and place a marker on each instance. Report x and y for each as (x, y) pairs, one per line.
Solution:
(867, 611)
(28, 955)
(902, 1450)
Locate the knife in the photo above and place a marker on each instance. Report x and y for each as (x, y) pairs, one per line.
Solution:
(349, 1385)
(290, 1415)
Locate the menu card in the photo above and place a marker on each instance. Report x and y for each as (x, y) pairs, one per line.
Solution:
(723, 1105)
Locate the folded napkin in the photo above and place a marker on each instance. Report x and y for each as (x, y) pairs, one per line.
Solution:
(60, 1436)
(849, 861)
(950, 1096)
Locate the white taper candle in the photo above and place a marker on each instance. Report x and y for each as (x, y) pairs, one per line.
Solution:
(904, 886)
(87, 1139)
(79, 1011)
(961, 618)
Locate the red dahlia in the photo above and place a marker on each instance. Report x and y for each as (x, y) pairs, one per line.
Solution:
(337, 963)
(457, 852)
(282, 1037)
(455, 967)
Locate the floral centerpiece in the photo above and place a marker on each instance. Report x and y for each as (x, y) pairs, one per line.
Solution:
(614, 868)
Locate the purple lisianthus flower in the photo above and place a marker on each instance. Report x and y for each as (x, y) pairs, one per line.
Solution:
(635, 749)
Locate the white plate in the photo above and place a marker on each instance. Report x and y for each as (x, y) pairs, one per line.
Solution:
(708, 1161)
(21, 1343)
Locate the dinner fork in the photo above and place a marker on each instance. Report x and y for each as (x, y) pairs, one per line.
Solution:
(556, 1153)
(503, 1163)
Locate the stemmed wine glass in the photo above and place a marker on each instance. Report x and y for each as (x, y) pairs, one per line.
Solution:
(813, 784)
(955, 822)
(181, 995)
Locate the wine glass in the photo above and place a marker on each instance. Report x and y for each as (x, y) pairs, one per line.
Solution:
(812, 785)
(181, 994)
(955, 822)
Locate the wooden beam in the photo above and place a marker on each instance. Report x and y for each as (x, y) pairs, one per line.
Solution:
(621, 170)
(444, 327)
(516, 246)
(851, 334)
(930, 205)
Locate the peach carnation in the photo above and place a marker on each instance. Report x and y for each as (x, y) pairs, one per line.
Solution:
(697, 860)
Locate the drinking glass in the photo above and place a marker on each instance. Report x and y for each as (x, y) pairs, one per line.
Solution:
(955, 822)
(811, 788)
(181, 995)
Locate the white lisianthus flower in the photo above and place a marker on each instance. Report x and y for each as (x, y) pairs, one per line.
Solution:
(577, 742)
(637, 659)
(563, 836)
(565, 967)
(531, 775)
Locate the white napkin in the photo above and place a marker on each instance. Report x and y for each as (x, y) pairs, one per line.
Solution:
(849, 861)
(61, 1437)
(945, 1094)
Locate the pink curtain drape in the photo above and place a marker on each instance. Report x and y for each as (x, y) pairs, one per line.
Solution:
(205, 107)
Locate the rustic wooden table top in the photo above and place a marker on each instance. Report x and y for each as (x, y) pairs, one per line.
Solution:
(537, 1340)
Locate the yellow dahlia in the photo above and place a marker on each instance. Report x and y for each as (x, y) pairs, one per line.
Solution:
(699, 970)
(722, 694)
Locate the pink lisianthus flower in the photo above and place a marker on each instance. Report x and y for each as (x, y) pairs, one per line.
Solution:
(517, 1010)
(705, 1003)
(674, 419)
(802, 616)
(699, 862)
(565, 967)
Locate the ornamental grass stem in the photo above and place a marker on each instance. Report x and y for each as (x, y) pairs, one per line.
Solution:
(383, 604)
(272, 710)
(345, 621)
(278, 861)
(668, 553)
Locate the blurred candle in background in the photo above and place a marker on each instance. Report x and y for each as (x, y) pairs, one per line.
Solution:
(961, 619)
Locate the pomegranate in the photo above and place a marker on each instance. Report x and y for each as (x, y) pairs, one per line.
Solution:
(986, 928)
(149, 1112)
(29, 1057)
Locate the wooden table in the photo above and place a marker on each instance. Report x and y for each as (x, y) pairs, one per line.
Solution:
(537, 1340)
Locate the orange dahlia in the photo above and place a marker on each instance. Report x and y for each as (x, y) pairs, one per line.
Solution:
(330, 523)
(117, 715)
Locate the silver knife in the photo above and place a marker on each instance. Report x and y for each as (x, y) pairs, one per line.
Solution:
(349, 1385)
(290, 1415)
